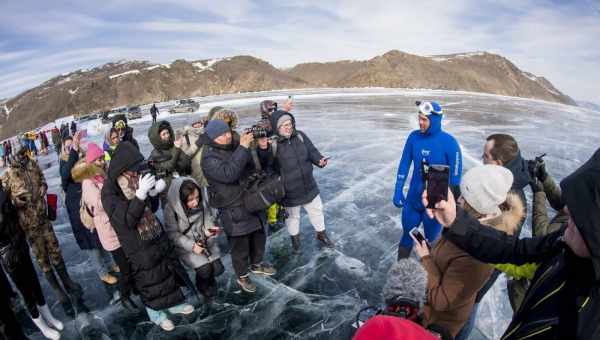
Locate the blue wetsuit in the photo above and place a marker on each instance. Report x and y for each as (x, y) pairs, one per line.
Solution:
(435, 147)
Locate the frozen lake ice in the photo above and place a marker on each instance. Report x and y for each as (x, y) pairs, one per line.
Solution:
(316, 295)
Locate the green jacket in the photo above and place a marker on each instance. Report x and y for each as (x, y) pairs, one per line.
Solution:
(541, 223)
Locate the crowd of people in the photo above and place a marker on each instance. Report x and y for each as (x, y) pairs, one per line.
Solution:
(209, 179)
(553, 275)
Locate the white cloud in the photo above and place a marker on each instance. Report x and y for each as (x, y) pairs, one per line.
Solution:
(557, 41)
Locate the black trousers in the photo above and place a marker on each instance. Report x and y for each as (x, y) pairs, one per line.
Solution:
(9, 326)
(247, 249)
(25, 278)
(206, 275)
(125, 283)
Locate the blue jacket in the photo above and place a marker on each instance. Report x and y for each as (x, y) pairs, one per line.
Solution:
(435, 147)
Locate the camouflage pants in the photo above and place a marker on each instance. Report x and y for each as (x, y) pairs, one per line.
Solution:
(44, 244)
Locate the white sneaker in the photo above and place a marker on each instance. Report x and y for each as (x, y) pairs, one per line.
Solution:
(167, 325)
(46, 330)
(50, 319)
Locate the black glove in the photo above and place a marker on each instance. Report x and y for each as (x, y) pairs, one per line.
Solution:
(540, 171)
(536, 185)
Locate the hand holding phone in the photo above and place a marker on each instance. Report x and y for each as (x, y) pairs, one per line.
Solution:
(83, 133)
(437, 184)
(421, 247)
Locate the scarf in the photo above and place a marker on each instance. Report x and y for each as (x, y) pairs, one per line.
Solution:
(149, 227)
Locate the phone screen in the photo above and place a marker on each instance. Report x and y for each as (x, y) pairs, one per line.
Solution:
(417, 234)
(437, 184)
(83, 133)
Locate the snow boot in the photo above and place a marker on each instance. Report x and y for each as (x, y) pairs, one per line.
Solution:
(325, 241)
(70, 286)
(50, 319)
(296, 247)
(246, 284)
(46, 330)
(262, 269)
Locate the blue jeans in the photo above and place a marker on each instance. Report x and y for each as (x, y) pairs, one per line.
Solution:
(411, 218)
(100, 260)
(465, 332)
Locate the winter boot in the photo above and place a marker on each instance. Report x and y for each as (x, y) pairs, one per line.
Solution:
(403, 252)
(296, 247)
(48, 331)
(246, 284)
(70, 286)
(50, 319)
(263, 269)
(325, 241)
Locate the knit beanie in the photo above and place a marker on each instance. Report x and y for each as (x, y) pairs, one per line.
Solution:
(485, 187)
(216, 128)
(282, 120)
(93, 153)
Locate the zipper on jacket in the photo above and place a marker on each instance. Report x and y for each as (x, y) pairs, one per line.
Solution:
(584, 304)
(536, 332)
(532, 289)
(549, 294)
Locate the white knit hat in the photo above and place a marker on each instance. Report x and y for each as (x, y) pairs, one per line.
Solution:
(485, 187)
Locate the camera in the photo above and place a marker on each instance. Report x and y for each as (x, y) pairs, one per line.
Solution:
(258, 130)
(533, 165)
(149, 167)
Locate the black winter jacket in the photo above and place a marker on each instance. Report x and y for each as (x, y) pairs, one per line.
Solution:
(154, 265)
(294, 160)
(226, 168)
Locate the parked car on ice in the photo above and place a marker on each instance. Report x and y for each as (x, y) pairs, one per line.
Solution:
(185, 105)
(134, 112)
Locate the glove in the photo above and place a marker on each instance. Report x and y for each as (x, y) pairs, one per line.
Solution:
(145, 184)
(536, 185)
(399, 200)
(159, 187)
(540, 171)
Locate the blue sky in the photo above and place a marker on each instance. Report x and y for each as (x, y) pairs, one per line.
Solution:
(42, 39)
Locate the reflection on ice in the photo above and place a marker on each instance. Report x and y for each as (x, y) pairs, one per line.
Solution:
(317, 294)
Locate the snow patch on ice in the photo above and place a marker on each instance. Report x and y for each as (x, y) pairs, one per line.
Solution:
(124, 74)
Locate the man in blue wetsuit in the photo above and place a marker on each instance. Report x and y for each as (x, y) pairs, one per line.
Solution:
(427, 146)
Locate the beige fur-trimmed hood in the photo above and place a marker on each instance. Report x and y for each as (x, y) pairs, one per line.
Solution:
(510, 220)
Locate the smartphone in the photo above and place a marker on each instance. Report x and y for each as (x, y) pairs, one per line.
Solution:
(437, 184)
(83, 133)
(327, 158)
(417, 234)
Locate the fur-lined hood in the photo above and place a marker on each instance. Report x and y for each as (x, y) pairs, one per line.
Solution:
(510, 220)
(83, 170)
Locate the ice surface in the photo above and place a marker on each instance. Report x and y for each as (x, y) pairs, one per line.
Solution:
(316, 295)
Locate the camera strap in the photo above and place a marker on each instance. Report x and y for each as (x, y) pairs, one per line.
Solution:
(255, 159)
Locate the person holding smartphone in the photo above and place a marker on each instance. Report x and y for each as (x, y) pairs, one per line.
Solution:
(427, 146)
(193, 232)
(453, 276)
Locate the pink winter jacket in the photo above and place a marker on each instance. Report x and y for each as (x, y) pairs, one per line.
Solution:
(90, 191)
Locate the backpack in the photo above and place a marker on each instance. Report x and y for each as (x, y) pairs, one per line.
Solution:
(86, 216)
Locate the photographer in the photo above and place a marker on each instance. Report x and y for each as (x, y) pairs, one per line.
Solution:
(295, 156)
(562, 299)
(193, 232)
(168, 158)
(454, 277)
(226, 165)
(130, 201)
